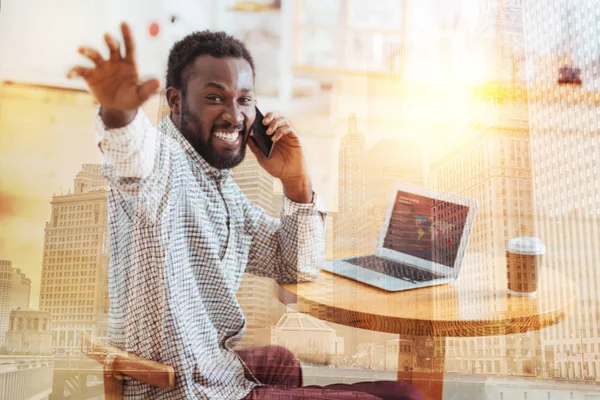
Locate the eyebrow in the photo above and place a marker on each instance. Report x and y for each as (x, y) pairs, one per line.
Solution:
(222, 87)
(215, 85)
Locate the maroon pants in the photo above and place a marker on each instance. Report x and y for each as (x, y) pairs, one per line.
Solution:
(281, 374)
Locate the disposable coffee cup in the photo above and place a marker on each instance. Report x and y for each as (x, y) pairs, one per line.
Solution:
(523, 259)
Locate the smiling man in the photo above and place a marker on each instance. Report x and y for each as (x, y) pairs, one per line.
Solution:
(219, 138)
(182, 233)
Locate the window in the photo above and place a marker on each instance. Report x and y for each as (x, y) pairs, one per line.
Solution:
(351, 34)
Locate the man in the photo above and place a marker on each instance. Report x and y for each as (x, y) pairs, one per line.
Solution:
(181, 231)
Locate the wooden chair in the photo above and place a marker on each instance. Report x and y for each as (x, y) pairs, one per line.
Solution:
(124, 363)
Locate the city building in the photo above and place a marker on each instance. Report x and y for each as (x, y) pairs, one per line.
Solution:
(29, 331)
(15, 289)
(5, 303)
(75, 261)
(258, 295)
(371, 355)
(352, 191)
(565, 151)
(310, 339)
(400, 354)
(277, 204)
(258, 298)
(330, 234)
(497, 48)
(389, 161)
(20, 292)
(367, 178)
(256, 183)
(491, 163)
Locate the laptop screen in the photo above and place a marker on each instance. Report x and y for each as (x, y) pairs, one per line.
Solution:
(430, 229)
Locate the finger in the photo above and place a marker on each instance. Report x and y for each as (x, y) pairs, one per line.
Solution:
(79, 71)
(275, 124)
(113, 46)
(92, 54)
(128, 40)
(146, 89)
(281, 132)
(269, 117)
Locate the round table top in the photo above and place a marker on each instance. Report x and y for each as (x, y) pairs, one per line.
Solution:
(455, 309)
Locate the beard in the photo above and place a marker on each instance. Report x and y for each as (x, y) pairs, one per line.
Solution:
(204, 146)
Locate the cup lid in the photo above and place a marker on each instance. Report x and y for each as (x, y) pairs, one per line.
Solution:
(526, 245)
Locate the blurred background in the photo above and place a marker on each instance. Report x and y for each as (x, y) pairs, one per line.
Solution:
(497, 100)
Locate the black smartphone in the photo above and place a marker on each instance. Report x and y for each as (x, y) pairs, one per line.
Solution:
(259, 134)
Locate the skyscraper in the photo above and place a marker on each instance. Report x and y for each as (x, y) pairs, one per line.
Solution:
(565, 156)
(75, 261)
(491, 164)
(256, 183)
(15, 290)
(389, 161)
(257, 296)
(20, 291)
(352, 190)
(497, 46)
(330, 234)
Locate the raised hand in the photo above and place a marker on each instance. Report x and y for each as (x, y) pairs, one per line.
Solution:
(115, 82)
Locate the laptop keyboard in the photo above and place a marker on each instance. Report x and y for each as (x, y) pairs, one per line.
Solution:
(393, 268)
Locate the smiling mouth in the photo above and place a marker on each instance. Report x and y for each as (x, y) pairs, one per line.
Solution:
(230, 137)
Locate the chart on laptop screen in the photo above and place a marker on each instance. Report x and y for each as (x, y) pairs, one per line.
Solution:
(430, 229)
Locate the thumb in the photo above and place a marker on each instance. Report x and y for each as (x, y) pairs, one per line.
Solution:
(146, 89)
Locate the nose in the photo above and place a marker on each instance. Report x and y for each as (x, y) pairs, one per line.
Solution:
(233, 114)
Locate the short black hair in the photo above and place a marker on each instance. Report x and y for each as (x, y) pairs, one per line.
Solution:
(217, 44)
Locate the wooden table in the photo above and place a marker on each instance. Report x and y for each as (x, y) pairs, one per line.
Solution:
(454, 310)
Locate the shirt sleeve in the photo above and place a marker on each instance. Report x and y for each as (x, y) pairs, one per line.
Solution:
(289, 249)
(134, 161)
(128, 150)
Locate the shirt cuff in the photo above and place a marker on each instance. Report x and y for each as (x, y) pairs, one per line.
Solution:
(130, 134)
(290, 207)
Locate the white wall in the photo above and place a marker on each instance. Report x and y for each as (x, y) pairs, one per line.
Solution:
(39, 38)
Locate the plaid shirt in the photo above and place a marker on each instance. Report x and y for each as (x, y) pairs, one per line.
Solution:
(182, 234)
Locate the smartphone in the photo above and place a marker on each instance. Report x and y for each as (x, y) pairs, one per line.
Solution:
(259, 134)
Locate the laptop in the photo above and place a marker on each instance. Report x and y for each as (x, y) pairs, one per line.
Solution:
(422, 241)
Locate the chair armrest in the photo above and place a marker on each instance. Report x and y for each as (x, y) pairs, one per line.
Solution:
(142, 369)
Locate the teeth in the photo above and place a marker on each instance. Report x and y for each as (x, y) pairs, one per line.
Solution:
(227, 136)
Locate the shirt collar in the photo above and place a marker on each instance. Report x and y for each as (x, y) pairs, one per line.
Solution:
(168, 127)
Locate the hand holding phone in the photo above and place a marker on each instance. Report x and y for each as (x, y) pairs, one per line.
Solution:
(259, 134)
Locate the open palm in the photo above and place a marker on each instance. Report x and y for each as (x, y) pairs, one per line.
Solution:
(115, 82)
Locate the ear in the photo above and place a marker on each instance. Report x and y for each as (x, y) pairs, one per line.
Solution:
(174, 99)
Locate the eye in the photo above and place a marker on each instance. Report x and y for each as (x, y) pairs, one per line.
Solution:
(246, 100)
(213, 97)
